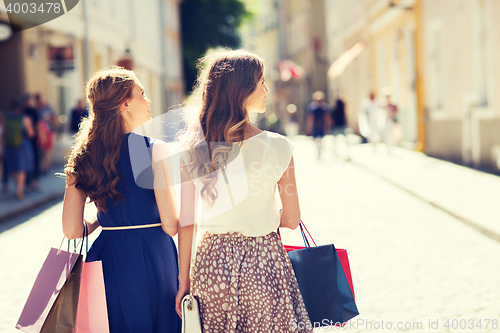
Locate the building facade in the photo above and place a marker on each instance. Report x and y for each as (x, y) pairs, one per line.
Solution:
(439, 60)
(263, 36)
(143, 35)
(461, 48)
(386, 65)
(290, 36)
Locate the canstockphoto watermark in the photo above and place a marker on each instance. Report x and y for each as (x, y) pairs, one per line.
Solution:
(429, 325)
(354, 186)
(357, 324)
(257, 188)
(328, 171)
(311, 170)
(26, 14)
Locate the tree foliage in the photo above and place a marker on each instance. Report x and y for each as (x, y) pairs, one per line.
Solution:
(206, 24)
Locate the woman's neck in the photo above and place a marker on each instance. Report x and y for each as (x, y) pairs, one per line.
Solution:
(127, 127)
(250, 131)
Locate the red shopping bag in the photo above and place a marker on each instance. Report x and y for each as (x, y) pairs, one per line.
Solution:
(344, 260)
(54, 274)
(342, 253)
(92, 312)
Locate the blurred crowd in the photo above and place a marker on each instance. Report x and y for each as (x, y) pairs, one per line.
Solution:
(377, 119)
(27, 135)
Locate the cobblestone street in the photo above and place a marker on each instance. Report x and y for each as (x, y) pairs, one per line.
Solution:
(410, 262)
(414, 267)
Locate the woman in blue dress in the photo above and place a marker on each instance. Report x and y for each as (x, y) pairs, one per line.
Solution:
(138, 255)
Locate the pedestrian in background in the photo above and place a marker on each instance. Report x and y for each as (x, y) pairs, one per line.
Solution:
(242, 276)
(30, 110)
(339, 124)
(19, 156)
(46, 111)
(292, 126)
(391, 119)
(45, 143)
(77, 115)
(318, 119)
(46, 131)
(139, 257)
(372, 116)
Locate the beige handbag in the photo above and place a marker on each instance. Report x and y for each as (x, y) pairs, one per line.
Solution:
(190, 310)
(190, 315)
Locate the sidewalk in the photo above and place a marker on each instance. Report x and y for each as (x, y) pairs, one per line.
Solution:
(469, 195)
(52, 188)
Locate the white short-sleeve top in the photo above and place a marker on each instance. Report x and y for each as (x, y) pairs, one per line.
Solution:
(248, 201)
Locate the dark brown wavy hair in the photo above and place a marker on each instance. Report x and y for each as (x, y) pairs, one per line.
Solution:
(227, 78)
(96, 150)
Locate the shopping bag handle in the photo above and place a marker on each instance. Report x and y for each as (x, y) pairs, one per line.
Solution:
(302, 226)
(85, 237)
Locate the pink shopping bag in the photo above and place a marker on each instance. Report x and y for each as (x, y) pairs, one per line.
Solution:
(48, 284)
(92, 312)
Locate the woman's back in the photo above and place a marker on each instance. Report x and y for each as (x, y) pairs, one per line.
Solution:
(138, 205)
(139, 258)
(248, 202)
(140, 264)
(242, 270)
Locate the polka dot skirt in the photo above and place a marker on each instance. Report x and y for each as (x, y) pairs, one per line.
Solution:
(247, 284)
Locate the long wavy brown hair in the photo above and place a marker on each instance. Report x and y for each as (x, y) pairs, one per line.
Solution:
(96, 150)
(227, 78)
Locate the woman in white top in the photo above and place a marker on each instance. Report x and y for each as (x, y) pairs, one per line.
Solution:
(232, 177)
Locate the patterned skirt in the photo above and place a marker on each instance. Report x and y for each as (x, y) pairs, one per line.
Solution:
(247, 284)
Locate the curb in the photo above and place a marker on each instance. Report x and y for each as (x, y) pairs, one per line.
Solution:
(476, 226)
(31, 205)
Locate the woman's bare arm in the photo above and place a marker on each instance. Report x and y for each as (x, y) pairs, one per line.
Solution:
(290, 213)
(73, 211)
(186, 226)
(163, 175)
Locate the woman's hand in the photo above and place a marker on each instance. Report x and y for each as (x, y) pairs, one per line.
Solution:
(183, 291)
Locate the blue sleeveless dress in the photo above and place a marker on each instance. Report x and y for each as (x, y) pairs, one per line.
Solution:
(140, 265)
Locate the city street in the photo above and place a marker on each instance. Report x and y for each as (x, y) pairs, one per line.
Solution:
(415, 268)
(410, 262)
(409, 186)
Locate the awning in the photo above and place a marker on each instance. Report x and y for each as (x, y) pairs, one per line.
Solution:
(338, 67)
(290, 69)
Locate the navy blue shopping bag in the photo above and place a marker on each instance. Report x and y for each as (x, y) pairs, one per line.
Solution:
(323, 284)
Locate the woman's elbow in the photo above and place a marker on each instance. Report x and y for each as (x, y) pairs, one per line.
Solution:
(72, 232)
(171, 230)
(294, 224)
(291, 223)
